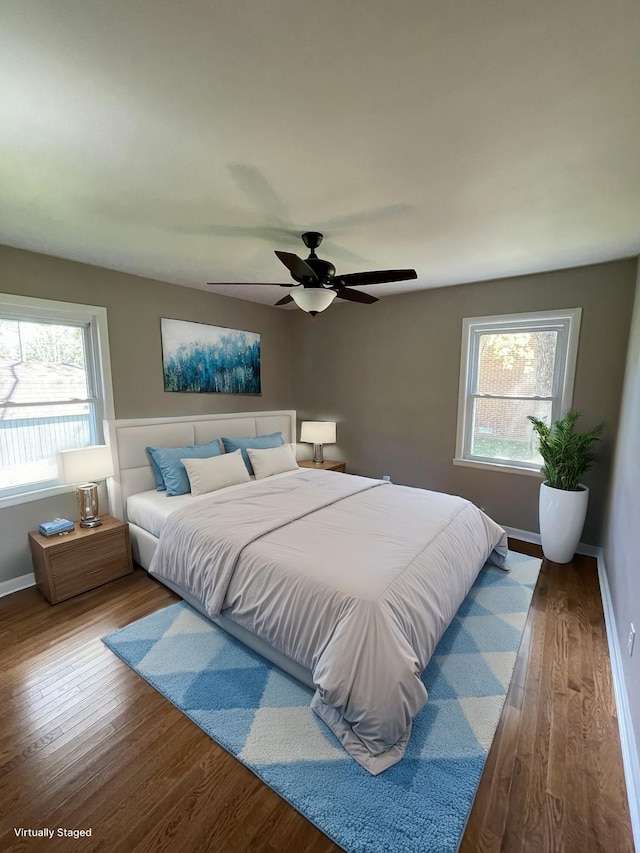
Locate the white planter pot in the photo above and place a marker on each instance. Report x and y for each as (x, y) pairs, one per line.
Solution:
(562, 516)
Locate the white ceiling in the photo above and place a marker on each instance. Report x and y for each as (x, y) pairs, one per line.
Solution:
(187, 140)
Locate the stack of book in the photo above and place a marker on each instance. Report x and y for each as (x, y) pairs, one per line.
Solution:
(55, 527)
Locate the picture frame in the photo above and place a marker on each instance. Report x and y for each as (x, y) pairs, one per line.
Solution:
(204, 359)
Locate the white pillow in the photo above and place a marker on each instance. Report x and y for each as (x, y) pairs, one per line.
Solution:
(216, 472)
(275, 460)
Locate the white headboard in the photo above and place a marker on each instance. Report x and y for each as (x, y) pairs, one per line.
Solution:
(128, 439)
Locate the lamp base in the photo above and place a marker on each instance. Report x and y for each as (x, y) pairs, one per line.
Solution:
(318, 457)
(87, 495)
(90, 522)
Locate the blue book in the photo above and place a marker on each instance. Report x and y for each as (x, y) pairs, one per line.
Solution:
(58, 525)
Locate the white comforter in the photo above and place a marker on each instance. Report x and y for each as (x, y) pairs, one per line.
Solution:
(355, 579)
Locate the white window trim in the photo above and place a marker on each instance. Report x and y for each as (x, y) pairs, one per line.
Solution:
(496, 323)
(31, 308)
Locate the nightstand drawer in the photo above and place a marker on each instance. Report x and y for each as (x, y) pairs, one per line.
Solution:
(72, 582)
(104, 549)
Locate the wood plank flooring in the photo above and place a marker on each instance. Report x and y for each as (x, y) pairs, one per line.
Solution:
(87, 744)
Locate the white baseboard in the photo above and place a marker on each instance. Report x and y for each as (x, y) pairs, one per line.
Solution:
(16, 584)
(523, 535)
(534, 539)
(627, 737)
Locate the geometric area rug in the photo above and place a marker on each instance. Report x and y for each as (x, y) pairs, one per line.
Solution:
(262, 716)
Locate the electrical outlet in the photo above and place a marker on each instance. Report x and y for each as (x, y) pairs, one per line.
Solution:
(632, 638)
(386, 477)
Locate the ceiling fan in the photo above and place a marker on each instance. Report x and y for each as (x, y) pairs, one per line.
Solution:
(318, 284)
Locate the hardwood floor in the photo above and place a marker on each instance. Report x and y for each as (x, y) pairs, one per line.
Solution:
(553, 780)
(87, 744)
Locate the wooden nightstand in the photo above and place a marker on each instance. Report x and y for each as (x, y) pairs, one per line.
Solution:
(327, 465)
(83, 559)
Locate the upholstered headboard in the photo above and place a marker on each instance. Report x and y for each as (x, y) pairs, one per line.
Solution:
(128, 439)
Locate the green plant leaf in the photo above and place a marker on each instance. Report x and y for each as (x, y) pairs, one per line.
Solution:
(567, 454)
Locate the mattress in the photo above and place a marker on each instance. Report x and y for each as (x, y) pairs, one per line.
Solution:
(149, 510)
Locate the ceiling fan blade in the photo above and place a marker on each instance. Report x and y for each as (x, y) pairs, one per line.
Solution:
(356, 296)
(363, 217)
(248, 284)
(259, 191)
(296, 265)
(375, 277)
(284, 301)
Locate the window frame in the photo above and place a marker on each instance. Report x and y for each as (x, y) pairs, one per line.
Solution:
(567, 321)
(94, 319)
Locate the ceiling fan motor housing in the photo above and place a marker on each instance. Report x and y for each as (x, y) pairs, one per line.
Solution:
(325, 271)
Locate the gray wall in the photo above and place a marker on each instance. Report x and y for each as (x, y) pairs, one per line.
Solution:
(134, 307)
(622, 539)
(389, 372)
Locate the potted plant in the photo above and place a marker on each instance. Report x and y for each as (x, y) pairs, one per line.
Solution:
(567, 456)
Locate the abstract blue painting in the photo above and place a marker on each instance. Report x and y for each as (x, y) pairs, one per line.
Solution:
(209, 359)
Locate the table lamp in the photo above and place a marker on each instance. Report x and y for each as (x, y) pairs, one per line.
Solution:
(79, 466)
(318, 433)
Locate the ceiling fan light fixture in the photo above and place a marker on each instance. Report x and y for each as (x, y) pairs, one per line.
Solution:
(313, 300)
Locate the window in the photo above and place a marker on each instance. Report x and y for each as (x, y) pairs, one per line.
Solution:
(513, 366)
(55, 390)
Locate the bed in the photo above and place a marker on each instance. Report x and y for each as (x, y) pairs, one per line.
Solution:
(345, 582)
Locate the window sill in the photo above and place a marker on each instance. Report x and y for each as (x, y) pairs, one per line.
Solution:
(38, 495)
(495, 466)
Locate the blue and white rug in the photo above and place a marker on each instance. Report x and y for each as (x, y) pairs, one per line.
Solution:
(262, 716)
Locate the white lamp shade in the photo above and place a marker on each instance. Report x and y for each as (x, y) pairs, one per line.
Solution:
(313, 298)
(318, 432)
(85, 464)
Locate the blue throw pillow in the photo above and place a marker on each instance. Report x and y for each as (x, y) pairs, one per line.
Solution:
(160, 486)
(260, 442)
(173, 473)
